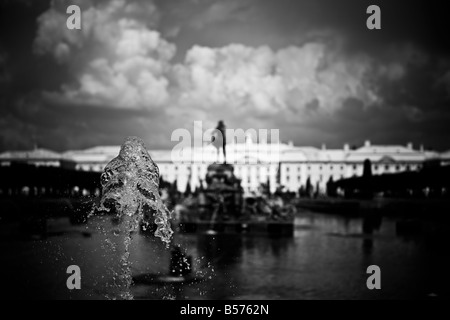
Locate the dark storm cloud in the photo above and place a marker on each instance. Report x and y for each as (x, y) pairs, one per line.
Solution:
(310, 68)
(60, 127)
(289, 22)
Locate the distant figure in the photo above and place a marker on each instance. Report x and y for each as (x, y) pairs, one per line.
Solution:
(219, 140)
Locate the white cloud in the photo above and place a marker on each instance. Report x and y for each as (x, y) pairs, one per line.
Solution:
(210, 13)
(268, 82)
(123, 62)
(120, 60)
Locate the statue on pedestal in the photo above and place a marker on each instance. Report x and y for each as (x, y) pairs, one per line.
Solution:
(219, 140)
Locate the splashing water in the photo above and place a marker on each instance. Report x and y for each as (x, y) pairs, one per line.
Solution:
(130, 182)
(130, 185)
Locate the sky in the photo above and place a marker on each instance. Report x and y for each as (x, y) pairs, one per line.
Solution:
(309, 68)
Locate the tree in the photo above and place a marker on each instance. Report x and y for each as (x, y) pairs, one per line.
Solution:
(200, 187)
(316, 193)
(331, 187)
(367, 171)
(308, 188)
(268, 186)
(163, 183)
(301, 191)
(174, 186)
(188, 190)
(367, 190)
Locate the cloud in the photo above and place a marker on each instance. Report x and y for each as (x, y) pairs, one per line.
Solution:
(222, 11)
(267, 82)
(119, 61)
(14, 133)
(122, 62)
(172, 32)
(443, 82)
(5, 76)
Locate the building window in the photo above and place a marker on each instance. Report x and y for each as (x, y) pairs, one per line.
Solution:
(320, 167)
(331, 167)
(308, 167)
(354, 167)
(375, 167)
(397, 167)
(408, 168)
(298, 178)
(342, 167)
(386, 167)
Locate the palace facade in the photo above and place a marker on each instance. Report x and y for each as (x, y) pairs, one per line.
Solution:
(254, 163)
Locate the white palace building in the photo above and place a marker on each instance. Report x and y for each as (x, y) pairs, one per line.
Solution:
(254, 163)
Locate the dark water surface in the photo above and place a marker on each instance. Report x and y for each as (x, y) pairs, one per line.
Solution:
(326, 258)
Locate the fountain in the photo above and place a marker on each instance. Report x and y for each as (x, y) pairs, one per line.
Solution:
(130, 186)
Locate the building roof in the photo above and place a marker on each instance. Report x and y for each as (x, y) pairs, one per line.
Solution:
(35, 154)
(96, 150)
(384, 149)
(383, 153)
(239, 152)
(313, 154)
(95, 154)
